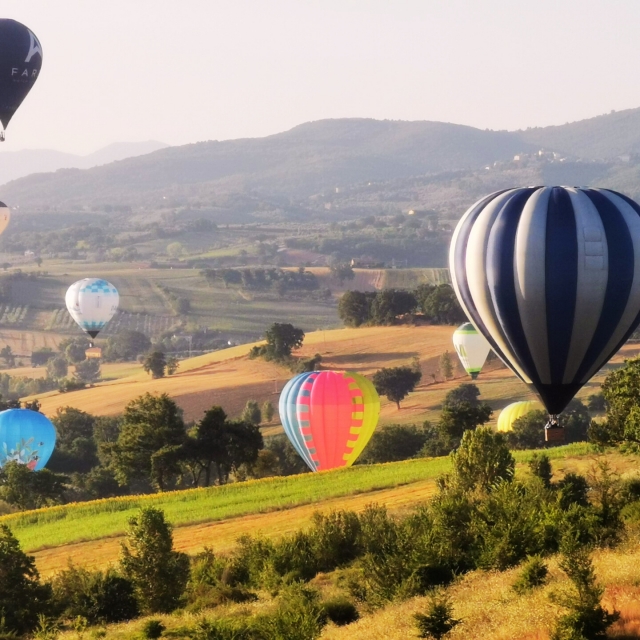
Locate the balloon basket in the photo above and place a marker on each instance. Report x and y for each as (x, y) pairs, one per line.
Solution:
(554, 435)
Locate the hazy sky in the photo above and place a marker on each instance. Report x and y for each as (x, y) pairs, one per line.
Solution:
(181, 71)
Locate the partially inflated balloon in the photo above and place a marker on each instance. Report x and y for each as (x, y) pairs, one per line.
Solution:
(92, 302)
(20, 62)
(514, 411)
(5, 217)
(26, 437)
(551, 277)
(471, 347)
(329, 416)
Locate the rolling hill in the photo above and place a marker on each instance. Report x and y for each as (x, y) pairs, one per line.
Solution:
(326, 155)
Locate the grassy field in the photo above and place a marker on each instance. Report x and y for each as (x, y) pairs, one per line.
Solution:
(89, 532)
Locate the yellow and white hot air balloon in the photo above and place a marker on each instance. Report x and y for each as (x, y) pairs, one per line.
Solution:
(471, 347)
(5, 217)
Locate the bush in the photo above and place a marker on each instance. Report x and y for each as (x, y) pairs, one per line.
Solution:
(152, 629)
(540, 467)
(340, 611)
(438, 620)
(394, 442)
(533, 574)
(98, 597)
(158, 573)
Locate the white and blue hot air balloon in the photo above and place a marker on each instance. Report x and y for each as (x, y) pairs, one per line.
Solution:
(92, 302)
(551, 277)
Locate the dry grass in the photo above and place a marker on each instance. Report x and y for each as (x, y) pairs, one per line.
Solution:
(490, 610)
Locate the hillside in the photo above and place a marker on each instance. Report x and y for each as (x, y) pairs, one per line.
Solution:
(17, 164)
(307, 159)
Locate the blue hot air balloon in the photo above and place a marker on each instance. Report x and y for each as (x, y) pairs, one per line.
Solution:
(20, 62)
(551, 277)
(26, 437)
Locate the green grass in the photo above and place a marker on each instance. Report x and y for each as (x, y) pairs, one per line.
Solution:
(66, 524)
(411, 278)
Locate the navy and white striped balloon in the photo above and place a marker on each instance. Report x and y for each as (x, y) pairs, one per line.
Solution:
(551, 277)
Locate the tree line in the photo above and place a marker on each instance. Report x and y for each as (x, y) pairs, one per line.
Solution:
(436, 303)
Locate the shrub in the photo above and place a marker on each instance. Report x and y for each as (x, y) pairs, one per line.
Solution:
(152, 629)
(98, 597)
(158, 573)
(540, 467)
(299, 616)
(340, 611)
(572, 489)
(586, 618)
(336, 539)
(533, 574)
(438, 620)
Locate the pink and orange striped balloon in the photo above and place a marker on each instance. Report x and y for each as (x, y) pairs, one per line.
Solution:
(329, 416)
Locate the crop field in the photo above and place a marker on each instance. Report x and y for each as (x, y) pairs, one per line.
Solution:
(89, 532)
(411, 278)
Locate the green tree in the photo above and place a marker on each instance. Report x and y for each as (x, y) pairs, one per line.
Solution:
(159, 574)
(441, 306)
(586, 618)
(482, 459)
(527, 432)
(7, 355)
(342, 271)
(251, 413)
(446, 366)
(394, 442)
(155, 364)
(88, 370)
(22, 596)
(390, 303)
(438, 620)
(396, 382)
(26, 489)
(466, 392)
(222, 444)
(456, 419)
(172, 365)
(281, 340)
(150, 423)
(175, 249)
(267, 411)
(57, 368)
(126, 345)
(74, 349)
(540, 467)
(354, 307)
(76, 449)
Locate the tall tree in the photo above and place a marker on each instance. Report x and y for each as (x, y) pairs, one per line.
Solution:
(396, 382)
(150, 423)
(22, 597)
(159, 574)
(155, 364)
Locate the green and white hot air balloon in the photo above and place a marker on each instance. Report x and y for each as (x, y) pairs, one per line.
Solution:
(471, 347)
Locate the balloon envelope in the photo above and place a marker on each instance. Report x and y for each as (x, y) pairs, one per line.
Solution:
(5, 217)
(20, 62)
(329, 416)
(471, 347)
(551, 277)
(514, 411)
(26, 437)
(92, 302)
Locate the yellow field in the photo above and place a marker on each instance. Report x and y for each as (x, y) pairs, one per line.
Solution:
(229, 378)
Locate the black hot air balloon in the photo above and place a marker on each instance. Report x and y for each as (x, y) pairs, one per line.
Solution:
(20, 62)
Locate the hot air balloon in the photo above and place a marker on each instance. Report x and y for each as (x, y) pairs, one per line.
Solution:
(26, 437)
(329, 416)
(5, 217)
(551, 278)
(92, 302)
(20, 62)
(471, 347)
(514, 411)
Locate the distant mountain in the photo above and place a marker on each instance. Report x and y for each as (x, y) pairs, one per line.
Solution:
(299, 162)
(16, 164)
(331, 156)
(601, 138)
